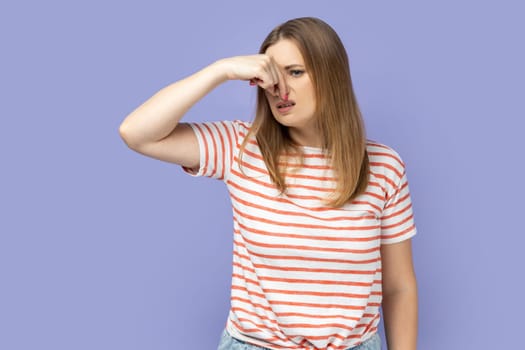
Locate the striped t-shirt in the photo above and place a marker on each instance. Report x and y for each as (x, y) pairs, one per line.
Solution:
(305, 276)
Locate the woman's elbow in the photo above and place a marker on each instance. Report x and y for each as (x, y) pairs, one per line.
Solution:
(126, 136)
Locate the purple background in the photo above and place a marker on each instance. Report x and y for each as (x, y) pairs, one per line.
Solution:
(102, 248)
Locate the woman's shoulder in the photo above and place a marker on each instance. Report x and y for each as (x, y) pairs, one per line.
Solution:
(235, 123)
(384, 158)
(241, 125)
(233, 128)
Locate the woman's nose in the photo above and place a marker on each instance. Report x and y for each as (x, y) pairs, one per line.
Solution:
(282, 95)
(285, 93)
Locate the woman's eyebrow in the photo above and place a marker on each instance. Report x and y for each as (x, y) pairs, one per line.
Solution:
(290, 66)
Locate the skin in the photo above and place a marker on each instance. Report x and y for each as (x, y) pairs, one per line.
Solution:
(399, 304)
(153, 129)
(300, 120)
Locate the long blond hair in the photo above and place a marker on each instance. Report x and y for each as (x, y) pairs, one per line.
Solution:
(337, 113)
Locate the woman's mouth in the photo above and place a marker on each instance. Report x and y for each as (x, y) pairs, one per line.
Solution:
(285, 106)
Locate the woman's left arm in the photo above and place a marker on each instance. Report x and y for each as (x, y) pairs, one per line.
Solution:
(399, 296)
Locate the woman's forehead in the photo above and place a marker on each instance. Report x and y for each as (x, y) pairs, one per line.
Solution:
(286, 53)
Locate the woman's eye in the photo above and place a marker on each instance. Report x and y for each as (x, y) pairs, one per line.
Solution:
(296, 72)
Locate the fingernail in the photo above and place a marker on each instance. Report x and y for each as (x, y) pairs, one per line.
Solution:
(285, 97)
(252, 83)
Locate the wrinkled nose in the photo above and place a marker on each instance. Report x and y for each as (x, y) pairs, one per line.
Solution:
(287, 88)
(283, 96)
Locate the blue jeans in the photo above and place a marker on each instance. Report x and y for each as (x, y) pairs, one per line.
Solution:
(229, 343)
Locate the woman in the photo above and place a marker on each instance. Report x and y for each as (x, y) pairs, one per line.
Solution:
(322, 217)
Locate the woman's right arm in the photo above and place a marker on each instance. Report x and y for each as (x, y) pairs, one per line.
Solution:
(153, 128)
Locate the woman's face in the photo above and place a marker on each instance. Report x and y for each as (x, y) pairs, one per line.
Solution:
(298, 113)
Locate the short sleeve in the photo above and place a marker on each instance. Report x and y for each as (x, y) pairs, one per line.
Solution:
(216, 144)
(397, 221)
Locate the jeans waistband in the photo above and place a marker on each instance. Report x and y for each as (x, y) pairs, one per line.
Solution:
(230, 343)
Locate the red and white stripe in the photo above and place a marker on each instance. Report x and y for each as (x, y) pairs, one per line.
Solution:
(305, 276)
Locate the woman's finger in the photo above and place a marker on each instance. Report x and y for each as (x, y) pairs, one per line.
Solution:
(275, 77)
(281, 84)
(268, 76)
(265, 79)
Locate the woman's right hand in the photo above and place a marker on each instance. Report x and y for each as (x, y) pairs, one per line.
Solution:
(153, 128)
(259, 69)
